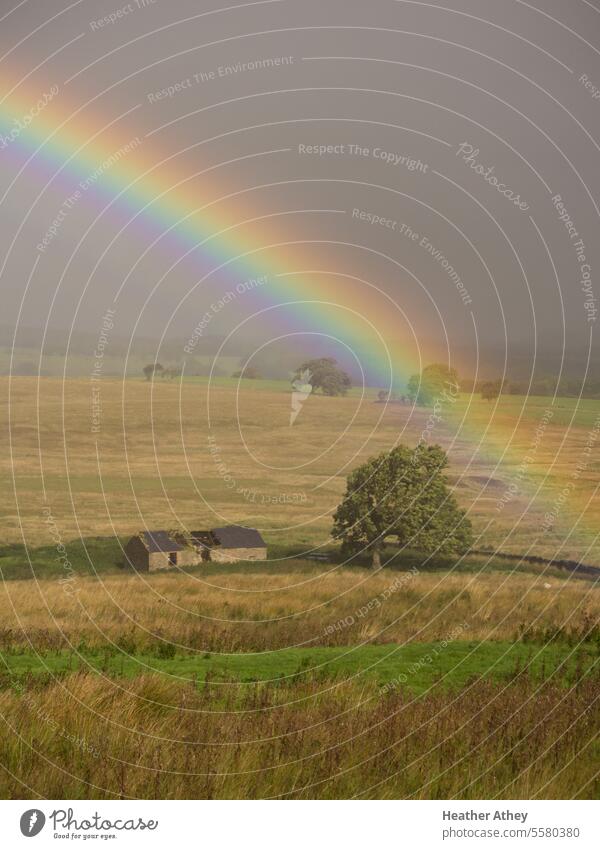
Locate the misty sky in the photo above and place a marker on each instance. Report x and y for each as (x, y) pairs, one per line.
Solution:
(410, 97)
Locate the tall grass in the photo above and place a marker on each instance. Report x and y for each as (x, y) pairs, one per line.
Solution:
(271, 608)
(147, 738)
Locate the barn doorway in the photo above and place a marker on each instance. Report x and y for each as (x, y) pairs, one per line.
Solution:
(173, 558)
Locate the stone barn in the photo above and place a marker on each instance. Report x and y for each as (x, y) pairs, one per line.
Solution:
(229, 544)
(150, 551)
(202, 541)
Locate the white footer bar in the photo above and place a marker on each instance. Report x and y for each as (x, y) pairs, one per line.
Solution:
(301, 825)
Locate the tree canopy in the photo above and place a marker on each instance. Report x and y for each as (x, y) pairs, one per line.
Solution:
(432, 383)
(248, 373)
(152, 369)
(158, 370)
(325, 375)
(404, 494)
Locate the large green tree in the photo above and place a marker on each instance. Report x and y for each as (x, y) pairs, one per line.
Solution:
(403, 494)
(325, 375)
(434, 382)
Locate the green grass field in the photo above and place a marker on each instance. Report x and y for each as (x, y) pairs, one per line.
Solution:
(417, 667)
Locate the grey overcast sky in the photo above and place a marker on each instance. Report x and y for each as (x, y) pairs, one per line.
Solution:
(347, 126)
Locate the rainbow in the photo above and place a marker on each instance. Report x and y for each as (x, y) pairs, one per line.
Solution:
(152, 199)
(150, 195)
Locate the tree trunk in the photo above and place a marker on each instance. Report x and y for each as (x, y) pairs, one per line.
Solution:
(376, 563)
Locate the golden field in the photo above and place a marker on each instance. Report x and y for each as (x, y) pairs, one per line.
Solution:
(168, 454)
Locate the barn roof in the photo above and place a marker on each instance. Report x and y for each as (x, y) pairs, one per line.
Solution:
(203, 538)
(159, 541)
(236, 536)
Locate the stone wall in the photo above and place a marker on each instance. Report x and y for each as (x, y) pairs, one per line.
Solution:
(188, 557)
(160, 560)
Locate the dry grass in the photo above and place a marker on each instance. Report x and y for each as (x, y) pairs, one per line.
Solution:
(258, 610)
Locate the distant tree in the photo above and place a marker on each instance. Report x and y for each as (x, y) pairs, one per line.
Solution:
(431, 384)
(401, 493)
(491, 389)
(249, 373)
(383, 396)
(151, 370)
(171, 372)
(326, 376)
